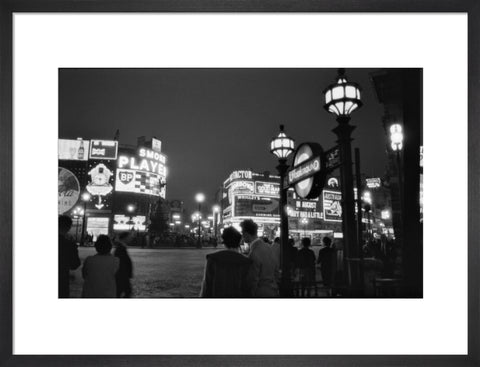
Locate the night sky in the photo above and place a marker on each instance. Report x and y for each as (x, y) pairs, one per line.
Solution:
(214, 121)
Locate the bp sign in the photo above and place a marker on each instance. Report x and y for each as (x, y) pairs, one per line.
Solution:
(308, 172)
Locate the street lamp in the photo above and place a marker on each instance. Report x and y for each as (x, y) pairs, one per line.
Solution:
(304, 222)
(216, 215)
(131, 209)
(282, 146)
(200, 198)
(77, 213)
(341, 99)
(85, 198)
(396, 140)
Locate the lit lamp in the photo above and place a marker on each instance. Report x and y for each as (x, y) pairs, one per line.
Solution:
(85, 198)
(199, 198)
(396, 143)
(130, 210)
(304, 222)
(216, 217)
(77, 213)
(282, 146)
(341, 99)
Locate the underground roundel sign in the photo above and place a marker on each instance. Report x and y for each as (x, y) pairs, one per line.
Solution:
(308, 172)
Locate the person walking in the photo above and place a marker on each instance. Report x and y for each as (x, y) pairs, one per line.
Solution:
(99, 271)
(306, 267)
(327, 260)
(264, 264)
(125, 270)
(227, 272)
(67, 256)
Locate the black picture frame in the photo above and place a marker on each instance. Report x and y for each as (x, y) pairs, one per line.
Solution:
(7, 8)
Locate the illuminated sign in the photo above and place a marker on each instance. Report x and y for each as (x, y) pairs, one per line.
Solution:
(332, 206)
(68, 190)
(99, 184)
(126, 223)
(267, 188)
(139, 182)
(97, 226)
(308, 173)
(304, 170)
(103, 149)
(241, 175)
(156, 145)
(332, 182)
(254, 206)
(242, 186)
(74, 150)
(373, 183)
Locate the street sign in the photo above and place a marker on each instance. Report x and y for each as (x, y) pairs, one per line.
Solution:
(332, 158)
(308, 172)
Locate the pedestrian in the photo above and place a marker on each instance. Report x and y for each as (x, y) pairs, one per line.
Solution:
(327, 260)
(306, 266)
(99, 271)
(264, 267)
(227, 272)
(292, 258)
(125, 271)
(67, 256)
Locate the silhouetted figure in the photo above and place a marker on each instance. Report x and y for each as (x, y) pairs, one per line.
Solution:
(227, 272)
(292, 257)
(327, 260)
(276, 249)
(306, 266)
(67, 256)
(125, 270)
(264, 267)
(99, 271)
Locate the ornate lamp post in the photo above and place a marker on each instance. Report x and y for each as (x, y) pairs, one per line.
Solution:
(77, 213)
(282, 146)
(341, 99)
(199, 198)
(396, 139)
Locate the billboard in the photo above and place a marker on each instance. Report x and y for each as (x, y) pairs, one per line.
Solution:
(74, 150)
(103, 149)
(68, 190)
(267, 188)
(332, 206)
(139, 182)
(100, 180)
(125, 223)
(255, 206)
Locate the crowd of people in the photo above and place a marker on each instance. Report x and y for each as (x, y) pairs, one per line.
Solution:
(105, 275)
(257, 273)
(229, 273)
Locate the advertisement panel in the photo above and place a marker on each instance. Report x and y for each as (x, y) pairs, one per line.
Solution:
(103, 149)
(68, 190)
(156, 145)
(255, 206)
(100, 184)
(332, 206)
(97, 226)
(267, 188)
(139, 182)
(75, 150)
(125, 223)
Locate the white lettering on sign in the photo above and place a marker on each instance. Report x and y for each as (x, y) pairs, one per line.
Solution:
(241, 175)
(150, 154)
(304, 170)
(267, 188)
(142, 165)
(242, 186)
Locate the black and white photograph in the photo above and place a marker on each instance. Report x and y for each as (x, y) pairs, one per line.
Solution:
(240, 183)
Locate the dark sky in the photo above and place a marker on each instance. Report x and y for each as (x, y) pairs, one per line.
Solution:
(214, 121)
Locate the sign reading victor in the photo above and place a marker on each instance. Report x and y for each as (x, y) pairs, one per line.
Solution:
(308, 172)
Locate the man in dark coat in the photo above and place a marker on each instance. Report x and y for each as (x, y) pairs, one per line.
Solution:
(306, 266)
(227, 272)
(327, 258)
(67, 256)
(125, 270)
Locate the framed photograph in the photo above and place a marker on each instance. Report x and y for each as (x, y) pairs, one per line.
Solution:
(178, 132)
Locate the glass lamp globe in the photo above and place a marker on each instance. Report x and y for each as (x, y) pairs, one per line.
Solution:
(282, 145)
(396, 137)
(342, 97)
